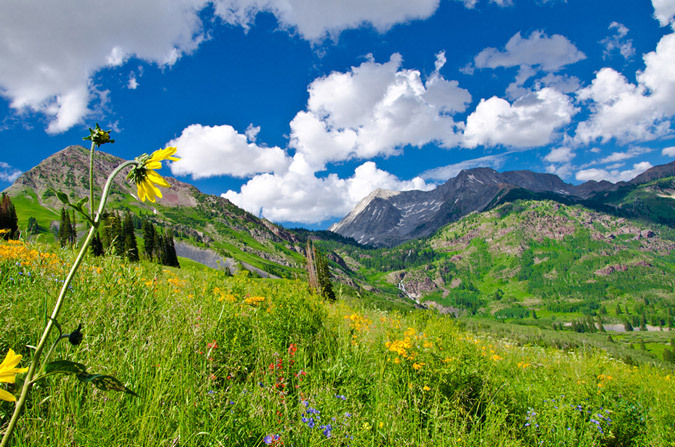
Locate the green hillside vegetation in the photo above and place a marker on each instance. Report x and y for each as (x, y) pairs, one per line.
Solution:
(231, 360)
(537, 263)
(651, 201)
(198, 219)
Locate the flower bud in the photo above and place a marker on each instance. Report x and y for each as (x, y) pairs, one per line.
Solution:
(75, 337)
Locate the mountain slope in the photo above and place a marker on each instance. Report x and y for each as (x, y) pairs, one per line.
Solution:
(538, 256)
(213, 223)
(385, 218)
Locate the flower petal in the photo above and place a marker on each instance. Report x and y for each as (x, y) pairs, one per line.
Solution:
(153, 165)
(5, 395)
(150, 189)
(157, 179)
(141, 192)
(8, 376)
(10, 361)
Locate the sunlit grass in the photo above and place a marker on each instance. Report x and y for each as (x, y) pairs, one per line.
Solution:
(222, 361)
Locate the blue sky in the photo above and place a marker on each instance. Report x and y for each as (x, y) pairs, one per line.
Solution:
(297, 109)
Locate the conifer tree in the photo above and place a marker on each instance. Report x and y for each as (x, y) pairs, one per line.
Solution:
(118, 235)
(149, 239)
(8, 218)
(33, 227)
(65, 229)
(96, 245)
(170, 250)
(323, 275)
(130, 246)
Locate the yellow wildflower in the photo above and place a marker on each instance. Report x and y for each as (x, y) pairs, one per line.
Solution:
(8, 371)
(254, 300)
(426, 388)
(145, 177)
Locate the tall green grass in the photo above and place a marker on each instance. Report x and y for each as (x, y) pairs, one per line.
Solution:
(227, 361)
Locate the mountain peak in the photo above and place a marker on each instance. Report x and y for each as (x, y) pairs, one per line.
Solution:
(387, 218)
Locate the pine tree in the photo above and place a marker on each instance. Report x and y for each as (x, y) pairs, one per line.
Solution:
(130, 246)
(323, 274)
(8, 218)
(117, 240)
(96, 245)
(149, 239)
(33, 227)
(170, 250)
(65, 229)
(159, 246)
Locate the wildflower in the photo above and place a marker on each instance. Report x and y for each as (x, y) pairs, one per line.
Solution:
(99, 136)
(327, 430)
(75, 337)
(269, 439)
(144, 176)
(426, 388)
(8, 371)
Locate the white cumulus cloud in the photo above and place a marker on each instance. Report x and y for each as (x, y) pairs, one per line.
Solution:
(532, 54)
(8, 173)
(613, 175)
(668, 151)
(206, 151)
(50, 50)
(664, 11)
(298, 195)
(620, 156)
(618, 42)
(540, 50)
(376, 109)
(560, 155)
(316, 19)
(632, 112)
(530, 121)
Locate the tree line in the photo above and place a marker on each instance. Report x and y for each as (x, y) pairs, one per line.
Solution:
(117, 235)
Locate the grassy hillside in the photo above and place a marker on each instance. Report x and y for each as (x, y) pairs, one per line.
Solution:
(538, 263)
(220, 360)
(198, 219)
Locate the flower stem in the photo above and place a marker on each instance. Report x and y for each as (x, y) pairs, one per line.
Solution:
(29, 380)
(91, 180)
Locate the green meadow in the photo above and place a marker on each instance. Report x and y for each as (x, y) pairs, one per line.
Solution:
(220, 360)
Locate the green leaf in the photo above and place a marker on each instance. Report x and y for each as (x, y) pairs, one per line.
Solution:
(81, 202)
(105, 383)
(63, 197)
(65, 367)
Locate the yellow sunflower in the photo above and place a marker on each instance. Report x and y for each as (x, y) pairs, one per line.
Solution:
(8, 371)
(146, 178)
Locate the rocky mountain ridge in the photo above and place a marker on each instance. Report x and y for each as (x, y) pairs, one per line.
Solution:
(388, 218)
